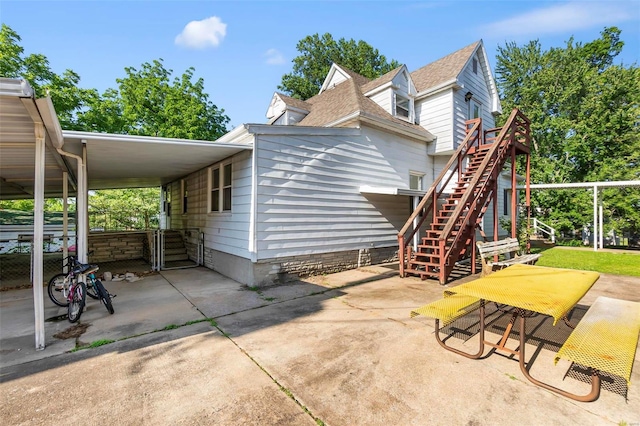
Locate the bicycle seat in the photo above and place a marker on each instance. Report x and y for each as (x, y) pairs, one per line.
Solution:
(85, 268)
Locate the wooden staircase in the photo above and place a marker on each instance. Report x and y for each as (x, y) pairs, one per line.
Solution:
(453, 211)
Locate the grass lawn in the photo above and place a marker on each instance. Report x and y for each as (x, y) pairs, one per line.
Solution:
(600, 261)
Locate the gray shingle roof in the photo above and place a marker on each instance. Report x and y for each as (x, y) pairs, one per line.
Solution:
(296, 103)
(384, 79)
(442, 70)
(344, 99)
(348, 97)
(359, 79)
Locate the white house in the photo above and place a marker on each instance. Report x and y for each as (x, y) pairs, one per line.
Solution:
(331, 180)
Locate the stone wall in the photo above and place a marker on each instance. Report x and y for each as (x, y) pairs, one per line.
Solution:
(108, 246)
(280, 270)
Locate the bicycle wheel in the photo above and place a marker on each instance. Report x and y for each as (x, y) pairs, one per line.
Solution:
(91, 290)
(104, 296)
(57, 290)
(75, 307)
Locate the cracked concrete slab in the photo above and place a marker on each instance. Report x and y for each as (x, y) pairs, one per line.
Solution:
(342, 346)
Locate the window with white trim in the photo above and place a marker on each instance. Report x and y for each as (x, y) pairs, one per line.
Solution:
(403, 106)
(220, 187)
(415, 180)
(475, 109)
(166, 195)
(185, 194)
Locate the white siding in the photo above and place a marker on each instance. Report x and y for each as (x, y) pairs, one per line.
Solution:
(504, 183)
(337, 78)
(384, 99)
(435, 114)
(229, 231)
(402, 83)
(308, 191)
(476, 84)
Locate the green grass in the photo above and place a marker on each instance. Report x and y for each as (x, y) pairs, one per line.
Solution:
(94, 344)
(599, 261)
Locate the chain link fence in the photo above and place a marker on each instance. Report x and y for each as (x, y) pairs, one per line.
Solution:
(118, 243)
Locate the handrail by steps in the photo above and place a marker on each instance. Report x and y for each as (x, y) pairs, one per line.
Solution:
(497, 150)
(474, 134)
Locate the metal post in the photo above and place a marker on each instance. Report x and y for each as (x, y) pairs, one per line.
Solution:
(38, 230)
(82, 211)
(65, 220)
(600, 228)
(414, 202)
(595, 218)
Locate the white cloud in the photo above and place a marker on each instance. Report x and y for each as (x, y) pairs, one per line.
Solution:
(274, 57)
(202, 34)
(563, 18)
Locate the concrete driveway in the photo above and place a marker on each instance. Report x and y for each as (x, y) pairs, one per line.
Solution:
(193, 347)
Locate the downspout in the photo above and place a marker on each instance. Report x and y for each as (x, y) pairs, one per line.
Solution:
(38, 229)
(253, 213)
(65, 220)
(81, 202)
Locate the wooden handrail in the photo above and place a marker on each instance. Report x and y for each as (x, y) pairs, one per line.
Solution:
(461, 149)
(497, 150)
(429, 200)
(515, 130)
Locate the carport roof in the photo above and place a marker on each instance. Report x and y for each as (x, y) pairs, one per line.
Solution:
(113, 161)
(125, 161)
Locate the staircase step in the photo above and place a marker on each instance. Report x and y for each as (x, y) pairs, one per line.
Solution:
(174, 257)
(425, 264)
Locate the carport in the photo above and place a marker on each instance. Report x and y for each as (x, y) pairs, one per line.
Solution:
(39, 160)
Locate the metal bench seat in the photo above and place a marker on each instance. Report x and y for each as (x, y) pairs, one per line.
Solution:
(449, 308)
(606, 338)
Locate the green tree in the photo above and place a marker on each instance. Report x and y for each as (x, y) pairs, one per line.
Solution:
(318, 53)
(584, 112)
(68, 99)
(124, 209)
(149, 103)
(146, 102)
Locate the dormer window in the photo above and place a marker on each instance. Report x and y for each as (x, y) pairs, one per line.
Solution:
(403, 107)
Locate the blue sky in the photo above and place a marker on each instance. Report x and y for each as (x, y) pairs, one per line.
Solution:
(242, 48)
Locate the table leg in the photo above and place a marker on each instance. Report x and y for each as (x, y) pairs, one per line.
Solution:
(595, 378)
(459, 352)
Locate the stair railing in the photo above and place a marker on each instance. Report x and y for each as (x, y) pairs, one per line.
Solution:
(539, 227)
(515, 130)
(429, 201)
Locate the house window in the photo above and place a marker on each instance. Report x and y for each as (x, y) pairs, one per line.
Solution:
(402, 106)
(475, 66)
(506, 200)
(220, 183)
(415, 181)
(167, 200)
(185, 195)
(475, 109)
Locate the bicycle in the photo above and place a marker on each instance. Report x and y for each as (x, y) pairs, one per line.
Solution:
(100, 292)
(59, 285)
(66, 291)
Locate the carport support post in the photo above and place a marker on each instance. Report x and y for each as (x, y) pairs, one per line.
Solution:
(595, 217)
(65, 219)
(38, 229)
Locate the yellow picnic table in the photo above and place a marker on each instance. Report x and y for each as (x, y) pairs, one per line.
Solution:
(528, 289)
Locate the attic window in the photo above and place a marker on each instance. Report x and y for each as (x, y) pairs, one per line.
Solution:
(475, 66)
(402, 106)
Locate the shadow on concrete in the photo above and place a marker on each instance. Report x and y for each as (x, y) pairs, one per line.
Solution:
(540, 333)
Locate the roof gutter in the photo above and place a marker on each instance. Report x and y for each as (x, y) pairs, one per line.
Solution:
(450, 84)
(377, 121)
(50, 119)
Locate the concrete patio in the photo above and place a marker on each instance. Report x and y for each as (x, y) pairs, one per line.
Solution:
(338, 349)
